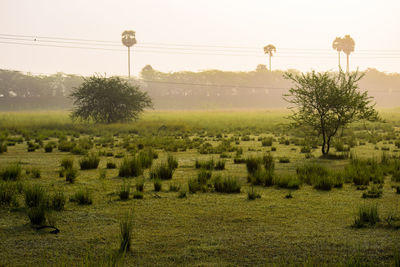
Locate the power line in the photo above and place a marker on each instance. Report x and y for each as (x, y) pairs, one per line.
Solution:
(145, 50)
(171, 45)
(216, 85)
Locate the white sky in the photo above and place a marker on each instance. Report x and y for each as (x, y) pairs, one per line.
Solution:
(306, 24)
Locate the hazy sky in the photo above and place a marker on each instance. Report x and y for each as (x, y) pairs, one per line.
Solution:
(211, 34)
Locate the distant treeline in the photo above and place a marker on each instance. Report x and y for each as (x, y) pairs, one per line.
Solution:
(210, 89)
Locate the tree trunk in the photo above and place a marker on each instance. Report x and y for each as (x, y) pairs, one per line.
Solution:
(129, 62)
(347, 69)
(339, 60)
(269, 62)
(323, 149)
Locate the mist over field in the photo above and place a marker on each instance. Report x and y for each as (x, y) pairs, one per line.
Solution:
(185, 90)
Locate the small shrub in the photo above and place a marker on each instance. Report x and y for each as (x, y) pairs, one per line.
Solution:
(226, 185)
(58, 201)
(89, 162)
(367, 215)
(173, 187)
(289, 195)
(126, 229)
(157, 185)
(82, 197)
(124, 192)
(130, 167)
(305, 150)
(111, 165)
(261, 177)
(10, 172)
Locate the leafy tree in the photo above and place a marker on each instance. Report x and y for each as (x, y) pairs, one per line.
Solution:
(108, 100)
(326, 102)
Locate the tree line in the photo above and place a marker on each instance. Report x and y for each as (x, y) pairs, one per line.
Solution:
(183, 90)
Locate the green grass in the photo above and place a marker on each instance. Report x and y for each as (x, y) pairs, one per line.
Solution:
(177, 228)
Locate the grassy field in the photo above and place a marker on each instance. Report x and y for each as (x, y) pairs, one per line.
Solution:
(206, 228)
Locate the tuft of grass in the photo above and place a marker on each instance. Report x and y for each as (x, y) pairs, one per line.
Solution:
(58, 201)
(82, 197)
(139, 185)
(182, 193)
(35, 195)
(71, 174)
(219, 165)
(34, 172)
(367, 215)
(193, 185)
(373, 192)
(124, 191)
(208, 165)
(226, 185)
(10, 172)
(89, 162)
(8, 194)
(138, 194)
(252, 164)
(203, 176)
(174, 187)
(287, 181)
(157, 185)
(252, 194)
(172, 162)
(163, 172)
(126, 230)
(284, 160)
(37, 215)
(111, 165)
(130, 167)
(67, 163)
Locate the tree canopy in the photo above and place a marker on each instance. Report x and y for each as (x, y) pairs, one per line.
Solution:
(108, 100)
(326, 102)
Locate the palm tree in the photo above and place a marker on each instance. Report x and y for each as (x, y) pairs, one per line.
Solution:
(348, 47)
(128, 39)
(338, 46)
(269, 49)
